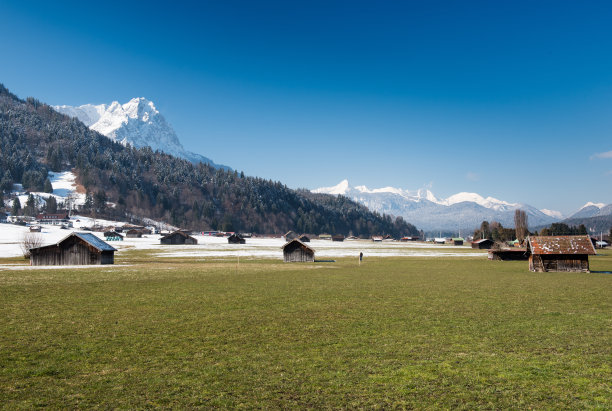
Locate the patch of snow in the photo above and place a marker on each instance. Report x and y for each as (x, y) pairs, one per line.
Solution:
(552, 213)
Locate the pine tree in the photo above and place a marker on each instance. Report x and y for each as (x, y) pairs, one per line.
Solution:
(48, 187)
(16, 206)
(51, 205)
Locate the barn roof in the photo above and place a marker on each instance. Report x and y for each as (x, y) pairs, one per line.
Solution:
(95, 241)
(561, 244)
(89, 238)
(299, 243)
(172, 234)
(482, 241)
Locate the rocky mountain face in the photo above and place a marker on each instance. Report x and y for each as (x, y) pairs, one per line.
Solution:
(137, 123)
(462, 211)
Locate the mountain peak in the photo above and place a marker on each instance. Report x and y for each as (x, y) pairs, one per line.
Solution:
(590, 204)
(137, 123)
(341, 188)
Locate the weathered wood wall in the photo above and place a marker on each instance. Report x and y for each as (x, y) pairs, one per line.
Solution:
(578, 263)
(298, 255)
(74, 253)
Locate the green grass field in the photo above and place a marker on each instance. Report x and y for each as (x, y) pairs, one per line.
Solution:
(405, 332)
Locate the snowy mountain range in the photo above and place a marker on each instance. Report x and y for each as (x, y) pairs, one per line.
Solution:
(592, 210)
(137, 123)
(462, 211)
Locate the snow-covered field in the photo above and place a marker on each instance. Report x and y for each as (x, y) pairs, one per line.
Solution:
(217, 247)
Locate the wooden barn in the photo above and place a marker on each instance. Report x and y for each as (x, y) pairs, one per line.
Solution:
(235, 239)
(133, 233)
(177, 237)
(338, 237)
(290, 235)
(562, 253)
(457, 241)
(304, 238)
(296, 251)
(484, 244)
(75, 249)
(509, 254)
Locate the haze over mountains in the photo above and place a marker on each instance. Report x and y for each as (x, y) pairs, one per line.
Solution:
(461, 211)
(137, 123)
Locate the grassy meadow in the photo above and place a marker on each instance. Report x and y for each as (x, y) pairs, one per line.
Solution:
(391, 333)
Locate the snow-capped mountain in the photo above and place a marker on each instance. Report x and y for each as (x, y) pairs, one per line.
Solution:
(136, 122)
(591, 210)
(462, 211)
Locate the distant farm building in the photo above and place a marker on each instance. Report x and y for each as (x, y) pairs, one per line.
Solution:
(569, 253)
(133, 233)
(325, 237)
(509, 254)
(406, 239)
(338, 237)
(54, 219)
(35, 229)
(290, 235)
(483, 244)
(296, 251)
(235, 239)
(112, 236)
(377, 238)
(177, 237)
(76, 249)
(304, 238)
(440, 240)
(457, 241)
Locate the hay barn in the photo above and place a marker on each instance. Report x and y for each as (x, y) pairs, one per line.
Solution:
(484, 244)
(338, 237)
(296, 251)
(235, 239)
(290, 235)
(563, 253)
(133, 233)
(75, 249)
(177, 238)
(509, 254)
(304, 238)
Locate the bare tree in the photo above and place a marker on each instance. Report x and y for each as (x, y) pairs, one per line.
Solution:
(29, 241)
(520, 224)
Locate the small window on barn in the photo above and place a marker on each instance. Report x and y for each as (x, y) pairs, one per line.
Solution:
(92, 257)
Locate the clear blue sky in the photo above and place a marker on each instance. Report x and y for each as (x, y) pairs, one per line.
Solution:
(504, 98)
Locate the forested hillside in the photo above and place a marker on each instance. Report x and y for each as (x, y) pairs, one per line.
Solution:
(34, 139)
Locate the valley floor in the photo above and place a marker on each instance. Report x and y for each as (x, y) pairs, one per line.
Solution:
(395, 332)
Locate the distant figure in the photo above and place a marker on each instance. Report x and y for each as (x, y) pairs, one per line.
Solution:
(360, 257)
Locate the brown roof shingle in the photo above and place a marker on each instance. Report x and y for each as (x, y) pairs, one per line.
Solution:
(561, 244)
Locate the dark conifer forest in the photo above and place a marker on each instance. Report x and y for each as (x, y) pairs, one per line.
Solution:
(124, 181)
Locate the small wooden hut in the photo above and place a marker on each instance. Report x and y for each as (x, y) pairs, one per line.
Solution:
(75, 249)
(509, 254)
(290, 235)
(177, 238)
(235, 239)
(338, 237)
(484, 244)
(325, 237)
(457, 241)
(562, 253)
(296, 251)
(133, 233)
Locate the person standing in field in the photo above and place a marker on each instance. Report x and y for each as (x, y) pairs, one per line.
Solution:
(360, 257)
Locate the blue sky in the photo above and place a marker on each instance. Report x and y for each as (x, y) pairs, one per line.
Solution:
(507, 99)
